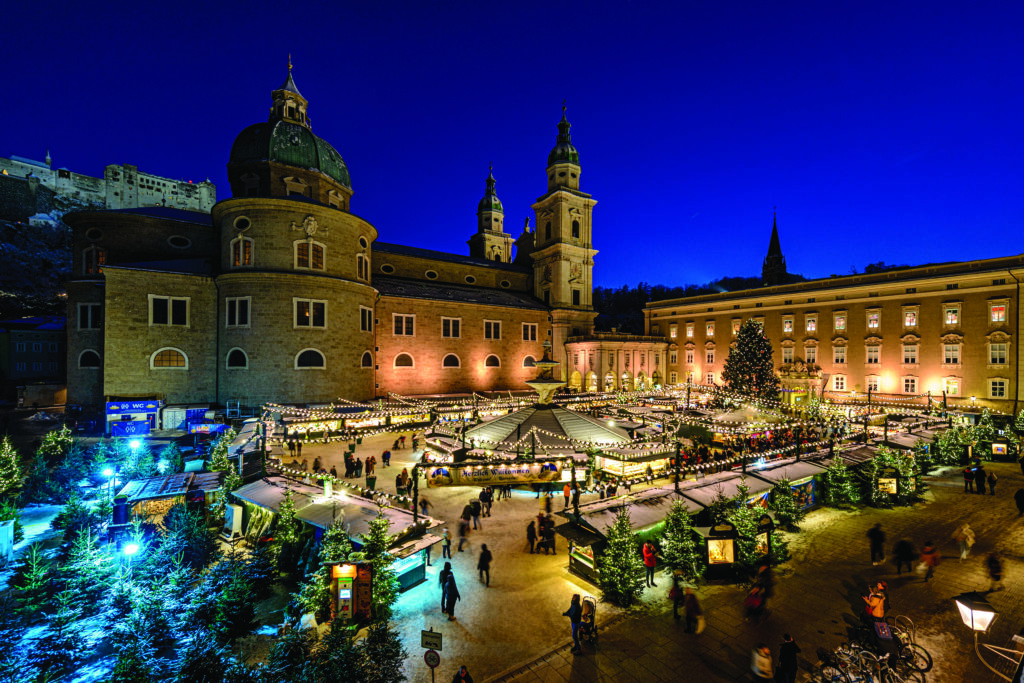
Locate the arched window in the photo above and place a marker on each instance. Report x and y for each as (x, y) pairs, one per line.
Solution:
(169, 359)
(309, 255)
(403, 360)
(367, 360)
(451, 361)
(492, 361)
(310, 359)
(362, 267)
(576, 229)
(93, 258)
(238, 360)
(529, 362)
(89, 359)
(241, 252)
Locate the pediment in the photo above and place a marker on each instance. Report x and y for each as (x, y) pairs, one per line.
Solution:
(872, 339)
(810, 341)
(998, 337)
(953, 338)
(788, 343)
(709, 345)
(910, 338)
(838, 341)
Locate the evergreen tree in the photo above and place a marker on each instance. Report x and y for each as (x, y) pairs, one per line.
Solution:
(188, 535)
(88, 570)
(200, 660)
(783, 503)
(219, 461)
(14, 662)
(65, 645)
(33, 581)
(376, 542)
(74, 519)
(236, 611)
(841, 490)
(336, 658)
(134, 663)
(55, 446)
(10, 467)
(745, 518)
(621, 566)
(287, 530)
(680, 549)
(9, 511)
(315, 594)
(748, 367)
(984, 432)
(1018, 424)
(383, 655)
(171, 455)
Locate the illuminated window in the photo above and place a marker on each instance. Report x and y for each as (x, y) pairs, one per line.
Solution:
(997, 313)
(874, 320)
(951, 315)
(93, 258)
(997, 388)
(840, 323)
(168, 359)
(910, 319)
(241, 252)
(997, 354)
(735, 327)
(451, 328)
(839, 383)
(812, 323)
(310, 313)
(787, 325)
(951, 385)
(839, 355)
(689, 330)
(951, 354)
(909, 385)
(404, 324)
(710, 331)
(873, 354)
(310, 359)
(309, 255)
(673, 331)
(168, 310)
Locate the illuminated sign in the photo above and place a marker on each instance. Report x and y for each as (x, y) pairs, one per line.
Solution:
(121, 407)
(484, 475)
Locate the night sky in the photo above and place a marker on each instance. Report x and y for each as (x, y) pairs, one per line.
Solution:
(881, 131)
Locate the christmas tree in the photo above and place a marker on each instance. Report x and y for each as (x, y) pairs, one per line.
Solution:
(134, 663)
(32, 581)
(56, 445)
(314, 594)
(1018, 424)
(788, 512)
(376, 542)
(748, 367)
(621, 565)
(841, 490)
(984, 432)
(219, 461)
(383, 655)
(287, 530)
(680, 548)
(10, 467)
(744, 519)
(171, 455)
(88, 570)
(9, 511)
(65, 645)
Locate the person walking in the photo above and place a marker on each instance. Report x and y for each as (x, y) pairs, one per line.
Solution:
(446, 544)
(424, 505)
(405, 479)
(451, 596)
(876, 537)
(442, 579)
(549, 535)
(992, 479)
(462, 675)
(566, 492)
(463, 533)
(761, 663)
(693, 611)
(298, 449)
(931, 558)
(650, 561)
(487, 499)
(903, 553)
(334, 472)
(979, 479)
(968, 479)
(964, 536)
(675, 594)
(994, 566)
(475, 509)
(875, 608)
(575, 613)
(788, 666)
(385, 458)
(576, 496)
(531, 535)
(483, 565)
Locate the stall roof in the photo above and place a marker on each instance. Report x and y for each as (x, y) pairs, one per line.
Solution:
(578, 534)
(902, 440)
(790, 469)
(855, 455)
(269, 492)
(415, 545)
(706, 493)
(646, 508)
(157, 488)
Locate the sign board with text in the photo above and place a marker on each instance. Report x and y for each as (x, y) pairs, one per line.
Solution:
(487, 475)
(430, 640)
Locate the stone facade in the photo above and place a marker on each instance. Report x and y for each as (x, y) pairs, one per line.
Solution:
(617, 362)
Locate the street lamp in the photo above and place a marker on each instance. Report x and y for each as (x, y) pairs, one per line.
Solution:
(978, 615)
(134, 444)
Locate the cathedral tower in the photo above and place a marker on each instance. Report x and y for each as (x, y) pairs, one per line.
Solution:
(563, 253)
(490, 241)
(773, 270)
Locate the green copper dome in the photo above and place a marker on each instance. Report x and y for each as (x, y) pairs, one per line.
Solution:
(292, 144)
(490, 201)
(563, 151)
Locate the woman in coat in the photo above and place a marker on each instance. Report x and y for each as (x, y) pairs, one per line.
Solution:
(930, 558)
(451, 596)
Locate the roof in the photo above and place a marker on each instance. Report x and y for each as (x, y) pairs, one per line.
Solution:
(158, 488)
(646, 508)
(191, 266)
(726, 483)
(165, 212)
(404, 250)
(406, 288)
(269, 492)
(26, 160)
(792, 470)
(292, 144)
(556, 427)
(35, 322)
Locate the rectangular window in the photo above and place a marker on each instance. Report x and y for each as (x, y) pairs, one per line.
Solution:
(872, 383)
(872, 354)
(689, 357)
(812, 323)
(997, 388)
(529, 331)
(451, 328)
(910, 354)
(839, 383)
(735, 327)
(20, 367)
(36, 367)
(404, 324)
(673, 331)
(839, 355)
(365, 319)
(997, 313)
(997, 354)
(811, 352)
(951, 315)
(237, 311)
(874, 320)
(310, 313)
(909, 385)
(710, 330)
(951, 354)
(787, 354)
(51, 366)
(37, 347)
(951, 385)
(53, 347)
(168, 310)
(673, 378)
(710, 378)
(840, 323)
(673, 357)
(492, 329)
(575, 297)
(787, 325)
(689, 330)
(710, 356)
(20, 346)
(910, 319)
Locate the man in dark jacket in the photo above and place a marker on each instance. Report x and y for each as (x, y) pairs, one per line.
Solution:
(451, 596)
(442, 578)
(979, 480)
(787, 659)
(531, 534)
(483, 565)
(475, 509)
(877, 539)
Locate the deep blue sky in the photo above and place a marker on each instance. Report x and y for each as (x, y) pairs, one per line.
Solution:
(882, 131)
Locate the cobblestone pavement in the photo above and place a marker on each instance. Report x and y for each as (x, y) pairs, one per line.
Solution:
(514, 631)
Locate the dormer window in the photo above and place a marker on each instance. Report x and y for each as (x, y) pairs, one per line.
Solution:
(93, 259)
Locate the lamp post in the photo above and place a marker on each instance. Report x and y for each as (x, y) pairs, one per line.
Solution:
(978, 615)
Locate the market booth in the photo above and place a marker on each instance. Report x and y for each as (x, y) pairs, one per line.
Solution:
(153, 497)
(804, 479)
(727, 484)
(630, 462)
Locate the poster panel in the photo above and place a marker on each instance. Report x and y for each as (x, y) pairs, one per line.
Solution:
(489, 475)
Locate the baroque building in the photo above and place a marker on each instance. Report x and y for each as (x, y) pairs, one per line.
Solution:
(283, 294)
(948, 330)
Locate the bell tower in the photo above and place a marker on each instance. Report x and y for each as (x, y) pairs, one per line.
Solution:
(563, 253)
(490, 241)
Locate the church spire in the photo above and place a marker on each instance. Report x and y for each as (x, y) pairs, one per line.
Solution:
(773, 270)
(289, 104)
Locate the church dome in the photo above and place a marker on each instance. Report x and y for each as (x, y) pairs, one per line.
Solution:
(490, 201)
(563, 151)
(285, 142)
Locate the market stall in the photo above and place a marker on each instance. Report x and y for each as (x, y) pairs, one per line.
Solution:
(628, 462)
(804, 478)
(726, 484)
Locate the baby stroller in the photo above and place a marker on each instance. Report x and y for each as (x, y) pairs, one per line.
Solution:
(588, 622)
